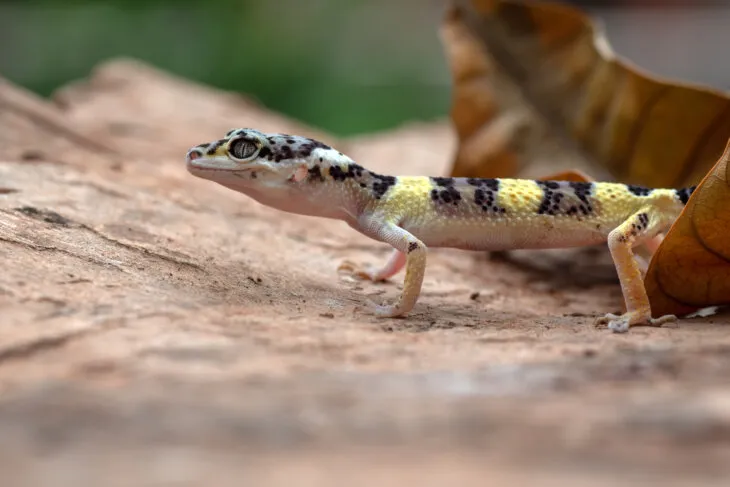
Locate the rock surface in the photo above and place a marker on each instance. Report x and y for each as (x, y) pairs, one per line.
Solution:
(157, 329)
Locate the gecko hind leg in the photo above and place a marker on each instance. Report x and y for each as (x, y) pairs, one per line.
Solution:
(395, 263)
(638, 228)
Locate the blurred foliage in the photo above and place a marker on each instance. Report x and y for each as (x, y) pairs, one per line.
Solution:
(347, 66)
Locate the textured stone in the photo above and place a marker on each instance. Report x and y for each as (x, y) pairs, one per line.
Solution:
(156, 328)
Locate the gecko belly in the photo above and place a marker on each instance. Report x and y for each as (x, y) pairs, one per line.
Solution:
(538, 233)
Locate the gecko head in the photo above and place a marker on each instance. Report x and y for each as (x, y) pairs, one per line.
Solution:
(247, 157)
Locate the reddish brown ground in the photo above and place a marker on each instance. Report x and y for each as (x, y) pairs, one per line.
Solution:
(156, 328)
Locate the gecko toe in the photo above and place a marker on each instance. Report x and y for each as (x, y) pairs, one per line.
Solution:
(355, 270)
(663, 320)
(602, 321)
(615, 323)
(619, 325)
(384, 310)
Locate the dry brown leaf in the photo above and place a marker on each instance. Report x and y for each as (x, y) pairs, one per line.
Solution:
(691, 268)
(527, 73)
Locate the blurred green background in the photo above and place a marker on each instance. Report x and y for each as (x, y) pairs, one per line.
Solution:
(347, 66)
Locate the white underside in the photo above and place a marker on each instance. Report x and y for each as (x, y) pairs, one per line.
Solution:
(496, 236)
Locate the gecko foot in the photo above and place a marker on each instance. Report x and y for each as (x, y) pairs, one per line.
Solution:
(368, 273)
(622, 323)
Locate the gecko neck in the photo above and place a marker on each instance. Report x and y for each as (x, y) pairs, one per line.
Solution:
(338, 187)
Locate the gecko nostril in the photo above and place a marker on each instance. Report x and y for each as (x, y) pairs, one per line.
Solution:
(194, 154)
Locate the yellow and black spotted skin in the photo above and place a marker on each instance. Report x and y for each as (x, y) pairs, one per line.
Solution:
(410, 213)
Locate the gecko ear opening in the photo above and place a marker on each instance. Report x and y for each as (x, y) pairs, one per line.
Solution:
(300, 174)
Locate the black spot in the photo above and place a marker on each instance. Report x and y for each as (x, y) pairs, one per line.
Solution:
(558, 200)
(684, 194)
(357, 169)
(350, 171)
(639, 190)
(290, 141)
(449, 194)
(582, 190)
(382, 184)
(265, 152)
(548, 202)
(484, 198)
(308, 145)
(412, 246)
(485, 195)
(549, 184)
(337, 173)
(212, 148)
(478, 196)
(284, 153)
(643, 221)
(305, 150)
(231, 132)
(443, 181)
(254, 175)
(315, 173)
(319, 145)
(490, 183)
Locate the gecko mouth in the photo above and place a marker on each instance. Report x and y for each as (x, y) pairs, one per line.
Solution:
(206, 168)
(197, 161)
(193, 167)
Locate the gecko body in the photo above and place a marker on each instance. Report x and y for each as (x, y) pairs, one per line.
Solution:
(412, 213)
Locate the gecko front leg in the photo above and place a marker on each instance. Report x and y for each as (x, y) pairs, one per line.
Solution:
(409, 251)
(638, 228)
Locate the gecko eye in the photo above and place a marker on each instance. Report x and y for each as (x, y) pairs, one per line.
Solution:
(242, 149)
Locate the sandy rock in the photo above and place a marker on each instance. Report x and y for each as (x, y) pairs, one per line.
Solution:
(155, 327)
